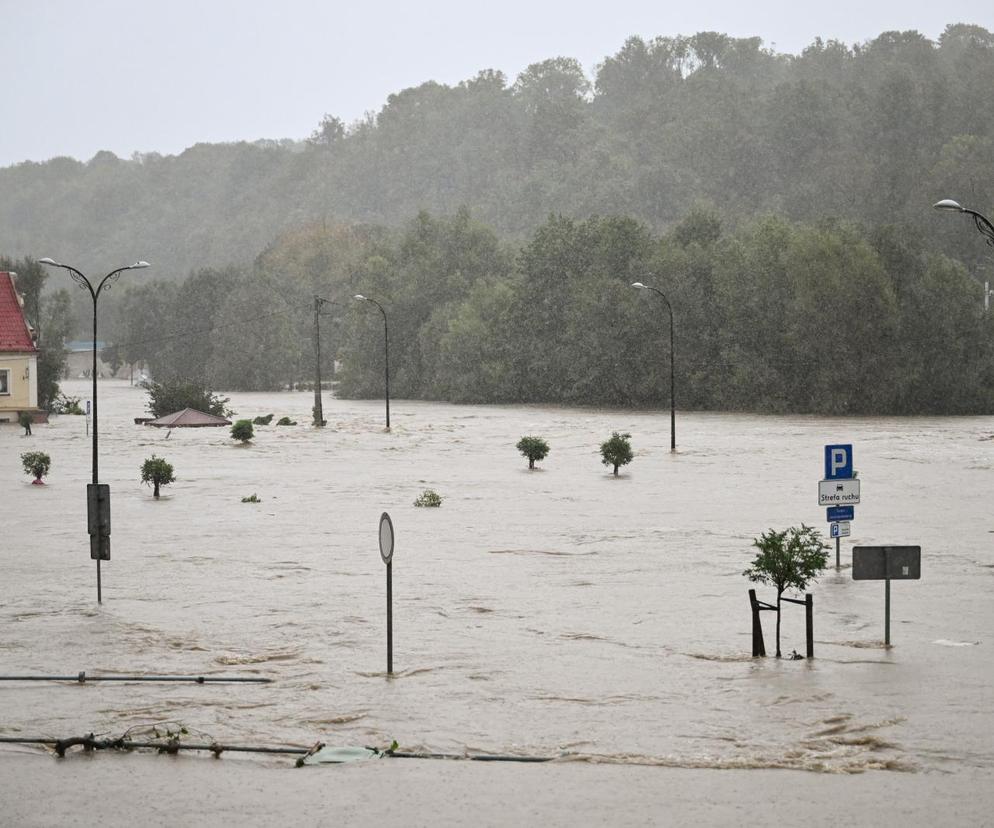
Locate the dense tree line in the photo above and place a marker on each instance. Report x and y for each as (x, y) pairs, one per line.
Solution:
(867, 133)
(774, 316)
(782, 203)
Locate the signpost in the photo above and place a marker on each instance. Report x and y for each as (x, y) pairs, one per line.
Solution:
(886, 563)
(839, 491)
(386, 552)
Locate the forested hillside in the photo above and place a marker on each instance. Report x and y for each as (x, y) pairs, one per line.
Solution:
(783, 205)
(871, 133)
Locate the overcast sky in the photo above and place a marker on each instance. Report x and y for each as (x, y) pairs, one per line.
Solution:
(78, 76)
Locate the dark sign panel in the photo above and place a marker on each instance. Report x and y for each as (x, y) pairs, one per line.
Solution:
(98, 520)
(880, 563)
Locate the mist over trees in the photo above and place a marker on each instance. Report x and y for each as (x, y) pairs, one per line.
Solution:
(782, 203)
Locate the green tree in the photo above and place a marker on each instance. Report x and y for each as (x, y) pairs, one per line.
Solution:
(58, 323)
(168, 397)
(158, 472)
(790, 559)
(617, 451)
(242, 430)
(37, 464)
(534, 448)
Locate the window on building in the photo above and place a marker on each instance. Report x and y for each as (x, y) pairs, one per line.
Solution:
(4, 380)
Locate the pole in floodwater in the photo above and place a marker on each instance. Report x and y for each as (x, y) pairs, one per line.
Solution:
(886, 563)
(386, 553)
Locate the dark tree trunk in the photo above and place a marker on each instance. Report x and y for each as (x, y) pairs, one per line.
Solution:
(531, 463)
(155, 493)
(615, 469)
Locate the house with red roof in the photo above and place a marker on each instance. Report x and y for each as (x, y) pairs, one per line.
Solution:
(18, 355)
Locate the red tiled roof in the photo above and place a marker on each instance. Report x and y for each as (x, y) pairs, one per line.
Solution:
(14, 334)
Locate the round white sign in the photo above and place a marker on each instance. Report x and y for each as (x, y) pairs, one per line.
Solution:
(386, 538)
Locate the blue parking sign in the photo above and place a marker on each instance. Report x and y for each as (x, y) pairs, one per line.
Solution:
(838, 461)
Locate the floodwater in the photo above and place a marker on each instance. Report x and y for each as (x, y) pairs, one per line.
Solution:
(547, 612)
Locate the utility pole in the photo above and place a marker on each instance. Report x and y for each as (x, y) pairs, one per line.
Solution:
(319, 419)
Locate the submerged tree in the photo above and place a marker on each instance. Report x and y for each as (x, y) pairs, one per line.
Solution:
(36, 463)
(617, 451)
(167, 397)
(790, 559)
(242, 430)
(534, 448)
(158, 472)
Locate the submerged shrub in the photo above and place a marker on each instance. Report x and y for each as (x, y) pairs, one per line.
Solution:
(534, 448)
(36, 463)
(429, 497)
(242, 430)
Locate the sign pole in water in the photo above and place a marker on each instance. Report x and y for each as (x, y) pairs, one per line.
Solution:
(839, 491)
(386, 552)
(886, 563)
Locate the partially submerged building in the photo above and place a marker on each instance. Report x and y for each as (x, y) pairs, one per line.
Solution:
(18, 355)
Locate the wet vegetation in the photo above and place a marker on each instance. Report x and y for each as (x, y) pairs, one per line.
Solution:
(158, 472)
(533, 449)
(789, 559)
(617, 451)
(37, 464)
(782, 204)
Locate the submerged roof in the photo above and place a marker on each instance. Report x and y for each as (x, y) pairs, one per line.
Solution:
(15, 335)
(188, 418)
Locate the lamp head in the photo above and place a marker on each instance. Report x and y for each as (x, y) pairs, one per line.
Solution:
(360, 297)
(138, 265)
(948, 204)
(48, 261)
(638, 285)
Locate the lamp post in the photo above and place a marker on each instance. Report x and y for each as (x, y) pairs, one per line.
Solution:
(98, 499)
(669, 307)
(318, 408)
(386, 349)
(983, 225)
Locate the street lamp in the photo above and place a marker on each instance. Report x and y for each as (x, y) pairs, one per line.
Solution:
(97, 497)
(318, 409)
(386, 349)
(983, 225)
(669, 307)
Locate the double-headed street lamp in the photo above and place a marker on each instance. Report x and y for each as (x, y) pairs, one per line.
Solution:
(983, 225)
(386, 349)
(669, 307)
(98, 498)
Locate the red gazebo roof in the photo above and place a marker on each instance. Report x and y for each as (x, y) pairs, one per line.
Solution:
(15, 335)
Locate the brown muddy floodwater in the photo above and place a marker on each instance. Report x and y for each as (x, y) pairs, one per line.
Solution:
(555, 611)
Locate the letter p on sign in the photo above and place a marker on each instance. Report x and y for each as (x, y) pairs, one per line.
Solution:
(838, 462)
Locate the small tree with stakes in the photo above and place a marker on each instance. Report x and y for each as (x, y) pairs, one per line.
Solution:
(790, 559)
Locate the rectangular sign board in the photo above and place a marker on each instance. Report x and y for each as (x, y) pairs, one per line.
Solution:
(839, 529)
(837, 513)
(98, 520)
(838, 461)
(843, 492)
(880, 563)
